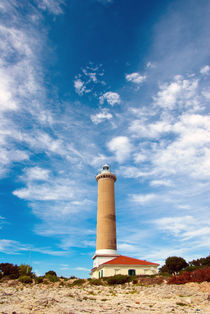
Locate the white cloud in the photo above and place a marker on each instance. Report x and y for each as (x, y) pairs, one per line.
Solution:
(127, 247)
(206, 94)
(53, 6)
(143, 198)
(111, 97)
(98, 160)
(89, 78)
(180, 93)
(174, 225)
(205, 70)
(82, 269)
(57, 190)
(79, 86)
(15, 247)
(161, 183)
(150, 65)
(121, 147)
(9, 156)
(104, 114)
(185, 227)
(36, 173)
(139, 128)
(133, 172)
(9, 246)
(135, 78)
(183, 206)
(186, 154)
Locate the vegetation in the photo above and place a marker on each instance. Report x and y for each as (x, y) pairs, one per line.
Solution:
(96, 282)
(176, 268)
(204, 261)
(174, 264)
(51, 273)
(39, 279)
(117, 279)
(25, 270)
(25, 279)
(78, 282)
(198, 275)
(10, 270)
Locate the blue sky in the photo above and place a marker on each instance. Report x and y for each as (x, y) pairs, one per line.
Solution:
(88, 82)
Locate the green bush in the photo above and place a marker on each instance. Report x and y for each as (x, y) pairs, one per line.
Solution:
(78, 282)
(165, 274)
(25, 270)
(39, 279)
(25, 279)
(51, 273)
(190, 268)
(96, 282)
(118, 279)
(52, 278)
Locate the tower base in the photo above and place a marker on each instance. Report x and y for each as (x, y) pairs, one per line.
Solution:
(103, 256)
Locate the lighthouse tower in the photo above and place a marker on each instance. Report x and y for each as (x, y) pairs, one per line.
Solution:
(106, 261)
(106, 244)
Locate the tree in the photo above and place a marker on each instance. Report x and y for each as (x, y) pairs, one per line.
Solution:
(25, 270)
(203, 261)
(164, 269)
(10, 270)
(51, 272)
(175, 264)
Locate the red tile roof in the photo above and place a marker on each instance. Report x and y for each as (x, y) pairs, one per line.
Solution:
(125, 260)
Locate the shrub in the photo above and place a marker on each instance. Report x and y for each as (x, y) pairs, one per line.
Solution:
(25, 270)
(52, 278)
(51, 272)
(190, 268)
(10, 270)
(149, 280)
(198, 275)
(72, 277)
(96, 282)
(78, 282)
(39, 279)
(25, 279)
(166, 274)
(117, 279)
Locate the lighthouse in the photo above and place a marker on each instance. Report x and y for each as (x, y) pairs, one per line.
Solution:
(106, 240)
(106, 261)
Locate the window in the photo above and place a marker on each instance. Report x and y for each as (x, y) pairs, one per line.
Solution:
(131, 272)
(102, 273)
(99, 274)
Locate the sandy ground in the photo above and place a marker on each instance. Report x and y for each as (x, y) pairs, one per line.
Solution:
(129, 298)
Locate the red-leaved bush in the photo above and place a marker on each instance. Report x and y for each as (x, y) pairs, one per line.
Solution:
(197, 275)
